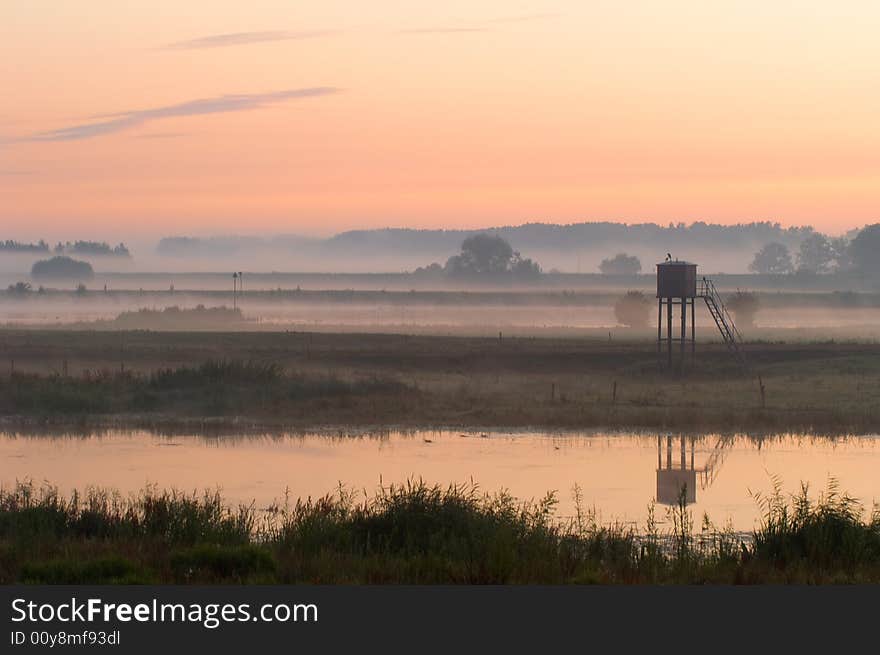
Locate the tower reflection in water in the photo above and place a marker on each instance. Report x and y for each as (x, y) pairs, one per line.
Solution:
(677, 476)
(676, 480)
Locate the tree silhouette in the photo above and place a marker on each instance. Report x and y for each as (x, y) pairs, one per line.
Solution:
(772, 259)
(621, 264)
(489, 255)
(864, 249)
(63, 268)
(815, 254)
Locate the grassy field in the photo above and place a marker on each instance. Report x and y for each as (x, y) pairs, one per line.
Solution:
(419, 533)
(309, 380)
(416, 534)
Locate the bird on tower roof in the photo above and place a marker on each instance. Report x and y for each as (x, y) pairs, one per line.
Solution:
(669, 257)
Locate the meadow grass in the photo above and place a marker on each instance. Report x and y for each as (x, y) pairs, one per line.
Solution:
(417, 533)
(303, 380)
(208, 389)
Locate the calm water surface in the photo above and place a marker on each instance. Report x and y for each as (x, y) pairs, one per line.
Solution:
(619, 474)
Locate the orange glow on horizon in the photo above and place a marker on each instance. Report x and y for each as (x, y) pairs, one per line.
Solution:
(151, 118)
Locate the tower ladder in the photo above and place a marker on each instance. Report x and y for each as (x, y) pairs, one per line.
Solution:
(729, 332)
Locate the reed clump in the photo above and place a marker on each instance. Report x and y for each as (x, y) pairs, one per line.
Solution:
(829, 532)
(418, 533)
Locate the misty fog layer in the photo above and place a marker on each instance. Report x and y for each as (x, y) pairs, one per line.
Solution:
(534, 277)
(575, 248)
(472, 313)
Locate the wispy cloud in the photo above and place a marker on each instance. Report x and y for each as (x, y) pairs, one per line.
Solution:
(14, 173)
(221, 104)
(480, 25)
(162, 135)
(244, 38)
(524, 18)
(443, 30)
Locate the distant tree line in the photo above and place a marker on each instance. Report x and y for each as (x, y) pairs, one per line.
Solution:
(572, 237)
(818, 255)
(808, 251)
(17, 246)
(527, 237)
(97, 248)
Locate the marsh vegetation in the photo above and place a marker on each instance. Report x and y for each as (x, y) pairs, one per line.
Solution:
(418, 533)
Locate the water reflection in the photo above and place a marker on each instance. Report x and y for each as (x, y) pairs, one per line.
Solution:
(619, 474)
(677, 480)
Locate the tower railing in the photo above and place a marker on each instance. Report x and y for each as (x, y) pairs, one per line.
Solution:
(713, 464)
(723, 320)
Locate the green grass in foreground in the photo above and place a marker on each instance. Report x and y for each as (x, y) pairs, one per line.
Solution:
(416, 533)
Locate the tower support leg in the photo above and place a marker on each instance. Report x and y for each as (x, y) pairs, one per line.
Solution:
(659, 324)
(684, 315)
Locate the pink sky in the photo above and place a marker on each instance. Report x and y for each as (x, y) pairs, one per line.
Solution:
(159, 117)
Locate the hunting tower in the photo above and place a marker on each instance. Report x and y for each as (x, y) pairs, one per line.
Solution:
(677, 285)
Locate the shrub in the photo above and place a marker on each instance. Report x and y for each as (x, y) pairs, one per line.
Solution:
(62, 268)
(744, 305)
(20, 289)
(633, 310)
(621, 264)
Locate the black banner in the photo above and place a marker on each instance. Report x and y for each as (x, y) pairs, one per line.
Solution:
(409, 619)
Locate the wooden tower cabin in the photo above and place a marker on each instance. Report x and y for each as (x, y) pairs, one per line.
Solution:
(678, 285)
